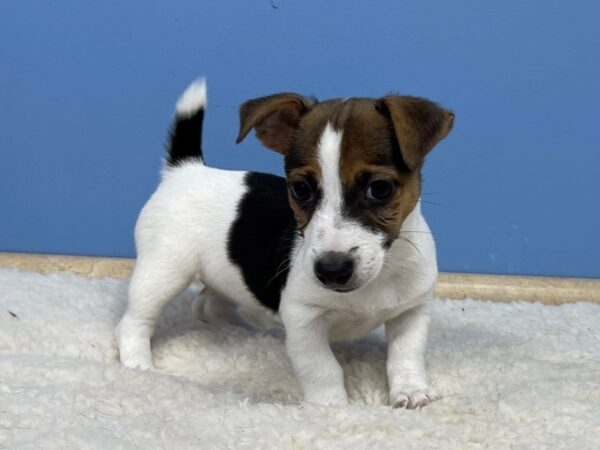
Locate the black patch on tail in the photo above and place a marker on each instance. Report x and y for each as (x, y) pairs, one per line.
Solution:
(261, 238)
(185, 142)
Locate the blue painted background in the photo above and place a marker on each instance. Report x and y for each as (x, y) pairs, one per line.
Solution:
(87, 92)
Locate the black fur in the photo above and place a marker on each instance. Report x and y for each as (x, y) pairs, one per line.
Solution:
(261, 238)
(185, 141)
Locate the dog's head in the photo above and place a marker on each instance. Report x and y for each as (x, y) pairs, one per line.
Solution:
(353, 173)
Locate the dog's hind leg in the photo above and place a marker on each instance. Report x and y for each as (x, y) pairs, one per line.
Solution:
(154, 283)
(213, 308)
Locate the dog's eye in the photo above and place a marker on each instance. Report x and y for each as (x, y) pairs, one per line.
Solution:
(302, 191)
(380, 190)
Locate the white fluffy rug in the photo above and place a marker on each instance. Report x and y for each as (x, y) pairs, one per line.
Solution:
(512, 375)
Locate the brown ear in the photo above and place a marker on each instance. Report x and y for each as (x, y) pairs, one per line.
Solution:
(418, 123)
(274, 118)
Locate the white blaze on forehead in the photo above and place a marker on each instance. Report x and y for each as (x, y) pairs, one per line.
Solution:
(329, 160)
(328, 230)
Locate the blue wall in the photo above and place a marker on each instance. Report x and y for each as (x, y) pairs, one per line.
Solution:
(87, 92)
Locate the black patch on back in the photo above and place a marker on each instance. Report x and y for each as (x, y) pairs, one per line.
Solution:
(261, 238)
(185, 141)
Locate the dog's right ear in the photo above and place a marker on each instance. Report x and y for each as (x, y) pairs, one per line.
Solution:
(274, 118)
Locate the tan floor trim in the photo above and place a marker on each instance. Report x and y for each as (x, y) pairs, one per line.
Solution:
(88, 266)
(501, 288)
(507, 288)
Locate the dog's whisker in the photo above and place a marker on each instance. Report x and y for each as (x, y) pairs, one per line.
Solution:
(279, 272)
(415, 246)
(434, 203)
(416, 231)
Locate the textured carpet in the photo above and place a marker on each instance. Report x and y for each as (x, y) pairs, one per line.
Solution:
(512, 375)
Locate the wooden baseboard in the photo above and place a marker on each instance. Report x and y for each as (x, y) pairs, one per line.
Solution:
(499, 288)
(508, 288)
(87, 266)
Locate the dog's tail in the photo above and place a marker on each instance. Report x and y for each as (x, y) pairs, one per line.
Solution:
(185, 139)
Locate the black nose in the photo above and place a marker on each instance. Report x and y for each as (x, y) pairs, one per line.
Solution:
(334, 268)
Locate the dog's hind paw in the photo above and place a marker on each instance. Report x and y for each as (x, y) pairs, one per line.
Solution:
(413, 397)
(137, 363)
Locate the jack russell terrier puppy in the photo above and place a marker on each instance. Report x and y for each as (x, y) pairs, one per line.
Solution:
(338, 247)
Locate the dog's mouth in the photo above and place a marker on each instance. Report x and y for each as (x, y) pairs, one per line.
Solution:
(341, 289)
(344, 290)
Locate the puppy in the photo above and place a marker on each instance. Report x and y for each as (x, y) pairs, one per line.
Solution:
(337, 248)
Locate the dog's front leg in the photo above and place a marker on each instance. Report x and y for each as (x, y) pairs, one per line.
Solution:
(407, 339)
(307, 339)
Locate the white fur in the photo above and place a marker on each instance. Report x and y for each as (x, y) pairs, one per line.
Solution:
(329, 161)
(181, 237)
(193, 98)
(394, 297)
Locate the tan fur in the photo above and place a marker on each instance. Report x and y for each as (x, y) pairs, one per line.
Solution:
(419, 125)
(274, 118)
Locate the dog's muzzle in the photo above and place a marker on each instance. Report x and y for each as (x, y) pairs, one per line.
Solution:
(334, 270)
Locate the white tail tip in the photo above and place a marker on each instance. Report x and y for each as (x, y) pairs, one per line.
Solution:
(193, 99)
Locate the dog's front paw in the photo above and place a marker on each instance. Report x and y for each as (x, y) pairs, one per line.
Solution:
(137, 363)
(134, 351)
(413, 397)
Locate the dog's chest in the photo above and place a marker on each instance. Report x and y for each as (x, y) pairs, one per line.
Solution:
(346, 328)
(361, 314)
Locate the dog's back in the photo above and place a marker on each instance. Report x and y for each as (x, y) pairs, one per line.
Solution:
(233, 230)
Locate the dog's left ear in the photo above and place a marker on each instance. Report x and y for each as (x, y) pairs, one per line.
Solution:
(419, 125)
(274, 118)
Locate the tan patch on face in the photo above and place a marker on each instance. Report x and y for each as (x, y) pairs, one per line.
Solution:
(370, 152)
(302, 212)
(388, 216)
(302, 161)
